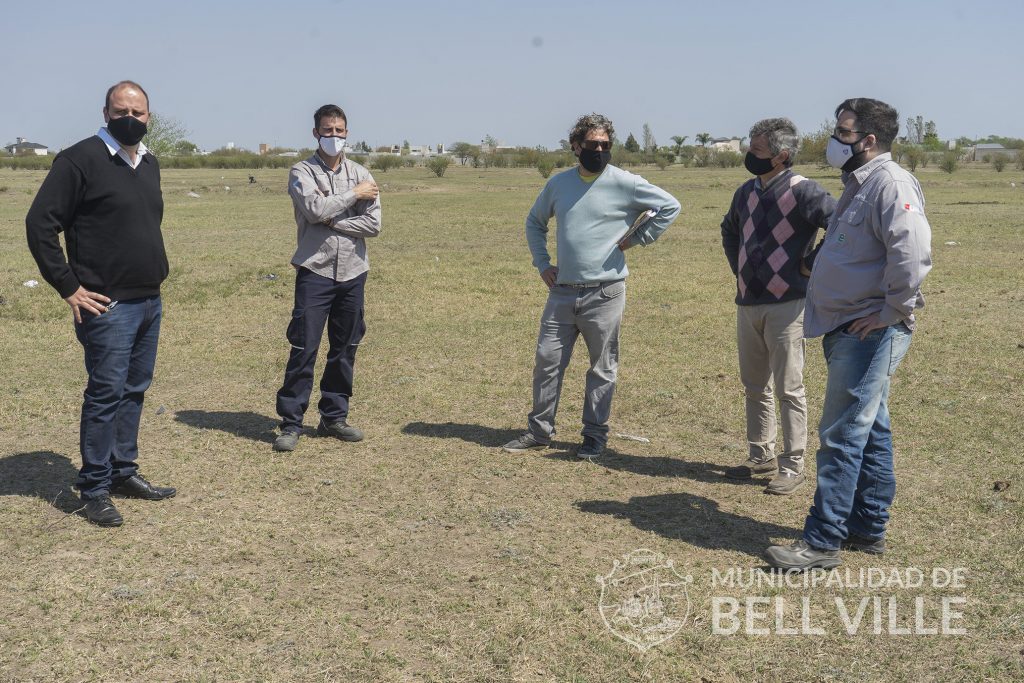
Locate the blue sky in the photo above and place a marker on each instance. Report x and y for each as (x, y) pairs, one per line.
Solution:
(251, 72)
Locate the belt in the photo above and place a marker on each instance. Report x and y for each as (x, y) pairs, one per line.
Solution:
(586, 285)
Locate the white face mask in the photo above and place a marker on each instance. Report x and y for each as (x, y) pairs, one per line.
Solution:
(838, 153)
(332, 147)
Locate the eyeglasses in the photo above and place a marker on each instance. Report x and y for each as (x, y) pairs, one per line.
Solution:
(846, 131)
(596, 144)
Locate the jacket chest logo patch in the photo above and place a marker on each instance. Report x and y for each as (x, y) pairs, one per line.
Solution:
(841, 238)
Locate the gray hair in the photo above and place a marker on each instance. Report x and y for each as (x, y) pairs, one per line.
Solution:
(590, 122)
(781, 134)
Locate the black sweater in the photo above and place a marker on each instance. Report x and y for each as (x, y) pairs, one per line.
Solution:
(110, 215)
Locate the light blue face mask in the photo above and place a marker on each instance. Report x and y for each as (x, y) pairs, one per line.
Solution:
(332, 146)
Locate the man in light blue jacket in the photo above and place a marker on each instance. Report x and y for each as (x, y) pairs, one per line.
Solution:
(594, 205)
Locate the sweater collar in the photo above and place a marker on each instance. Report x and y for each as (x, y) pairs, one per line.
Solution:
(114, 147)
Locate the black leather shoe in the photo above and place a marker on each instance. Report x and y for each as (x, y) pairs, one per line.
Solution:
(801, 555)
(864, 545)
(137, 487)
(101, 512)
(339, 430)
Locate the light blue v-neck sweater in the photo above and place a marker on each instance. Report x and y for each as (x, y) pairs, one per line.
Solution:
(591, 218)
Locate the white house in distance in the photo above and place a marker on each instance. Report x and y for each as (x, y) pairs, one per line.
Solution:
(723, 144)
(22, 146)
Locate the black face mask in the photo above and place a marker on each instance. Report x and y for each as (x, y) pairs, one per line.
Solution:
(594, 160)
(127, 130)
(756, 165)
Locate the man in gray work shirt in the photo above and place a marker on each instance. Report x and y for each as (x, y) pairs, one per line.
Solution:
(864, 288)
(336, 209)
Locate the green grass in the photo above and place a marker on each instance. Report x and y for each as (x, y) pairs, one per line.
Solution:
(424, 553)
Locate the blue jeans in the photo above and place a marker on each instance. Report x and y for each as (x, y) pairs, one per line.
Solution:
(120, 354)
(321, 301)
(856, 480)
(596, 314)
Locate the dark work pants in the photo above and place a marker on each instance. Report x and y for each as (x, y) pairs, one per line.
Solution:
(320, 300)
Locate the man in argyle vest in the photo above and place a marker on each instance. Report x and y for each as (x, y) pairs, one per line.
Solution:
(767, 236)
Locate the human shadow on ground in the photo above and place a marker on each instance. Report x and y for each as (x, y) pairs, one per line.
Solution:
(478, 434)
(666, 466)
(43, 474)
(246, 424)
(693, 519)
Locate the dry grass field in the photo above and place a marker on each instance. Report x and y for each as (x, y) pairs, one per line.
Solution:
(426, 554)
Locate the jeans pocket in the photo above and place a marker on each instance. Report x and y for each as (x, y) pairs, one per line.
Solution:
(613, 289)
(898, 347)
(296, 333)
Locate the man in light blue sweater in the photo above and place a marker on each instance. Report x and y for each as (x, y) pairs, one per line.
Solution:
(594, 205)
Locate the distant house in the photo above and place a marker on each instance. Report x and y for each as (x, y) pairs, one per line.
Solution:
(990, 149)
(23, 146)
(723, 144)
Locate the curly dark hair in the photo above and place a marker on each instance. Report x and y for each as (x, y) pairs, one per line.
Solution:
(590, 122)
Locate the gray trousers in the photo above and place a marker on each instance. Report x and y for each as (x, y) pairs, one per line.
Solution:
(596, 313)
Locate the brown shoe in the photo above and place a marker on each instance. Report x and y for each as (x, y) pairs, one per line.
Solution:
(751, 469)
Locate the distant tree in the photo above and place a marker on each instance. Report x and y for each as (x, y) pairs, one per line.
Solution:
(544, 166)
(650, 144)
(726, 158)
(384, 162)
(949, 162)
(463, 151)
(438, 165)
(812, 146)
(184, 148)
(999, 162)
(631, 144)
(703, 139)
(564, 145)
(931, 139)
(914, 155)
(1020, 160)
(163, 134)
(915, 130)
(680, 140)
(897, 149)
(490, 141)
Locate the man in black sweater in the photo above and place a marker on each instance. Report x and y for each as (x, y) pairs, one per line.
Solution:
(103, 193)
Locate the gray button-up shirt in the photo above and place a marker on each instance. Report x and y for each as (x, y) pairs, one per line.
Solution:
(876, 253)
(332, 223)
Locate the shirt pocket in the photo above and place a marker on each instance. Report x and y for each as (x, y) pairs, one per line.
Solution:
(843, 237)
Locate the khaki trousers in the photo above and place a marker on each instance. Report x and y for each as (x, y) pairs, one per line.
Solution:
(771, 352)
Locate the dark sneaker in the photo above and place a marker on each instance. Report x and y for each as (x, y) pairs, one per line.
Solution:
(801, 556)
(101, 512)
(137, 487)
(339, 430)
(784, 484)
(751, 469)
(864, 545)
(286, 441)
(526, 442)
(590, 449)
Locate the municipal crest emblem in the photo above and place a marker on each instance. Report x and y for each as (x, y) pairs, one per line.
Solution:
(644, 599)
